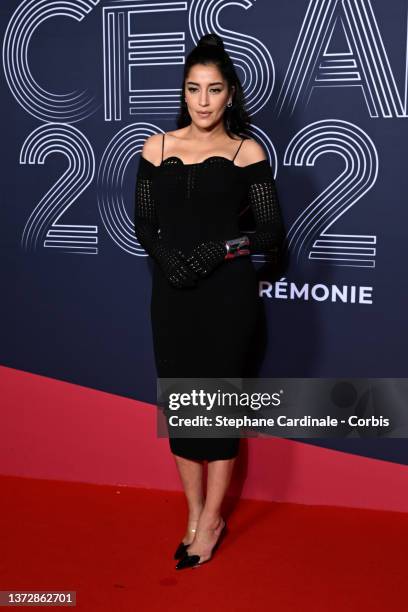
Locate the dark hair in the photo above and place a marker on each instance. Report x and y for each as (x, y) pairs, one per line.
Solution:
(210, 50)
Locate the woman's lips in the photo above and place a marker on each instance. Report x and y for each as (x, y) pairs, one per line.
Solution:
(203, 114)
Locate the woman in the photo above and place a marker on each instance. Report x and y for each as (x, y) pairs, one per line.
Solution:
(192, 185)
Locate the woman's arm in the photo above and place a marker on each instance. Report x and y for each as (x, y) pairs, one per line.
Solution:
(264, 203)
(146, 228)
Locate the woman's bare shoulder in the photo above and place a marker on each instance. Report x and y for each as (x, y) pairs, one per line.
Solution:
(152, 148)
(250, 152)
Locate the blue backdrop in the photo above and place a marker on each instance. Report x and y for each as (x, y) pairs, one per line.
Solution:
(84, 82)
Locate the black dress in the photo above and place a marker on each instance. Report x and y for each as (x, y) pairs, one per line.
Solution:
(203, 329)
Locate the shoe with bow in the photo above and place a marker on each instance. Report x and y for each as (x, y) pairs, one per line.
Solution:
(182, 547)
(195, 560)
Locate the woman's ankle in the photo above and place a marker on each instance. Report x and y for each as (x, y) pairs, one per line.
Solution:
(194, 514)
(210, 520)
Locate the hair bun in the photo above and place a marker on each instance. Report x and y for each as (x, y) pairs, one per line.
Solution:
(211, 40)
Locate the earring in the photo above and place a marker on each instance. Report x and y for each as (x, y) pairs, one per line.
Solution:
(229, 104)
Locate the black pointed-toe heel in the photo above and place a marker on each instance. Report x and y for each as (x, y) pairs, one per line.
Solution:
(194, 560)
(182, 548)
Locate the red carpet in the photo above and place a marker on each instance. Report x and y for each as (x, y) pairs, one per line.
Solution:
(114, 547)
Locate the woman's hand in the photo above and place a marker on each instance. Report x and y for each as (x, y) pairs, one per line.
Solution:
(207, 256)
(176, 269)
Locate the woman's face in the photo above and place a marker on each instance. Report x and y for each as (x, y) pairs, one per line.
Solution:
(207, 92)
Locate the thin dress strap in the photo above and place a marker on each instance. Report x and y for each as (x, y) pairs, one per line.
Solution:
(163, 146)
(238, 150)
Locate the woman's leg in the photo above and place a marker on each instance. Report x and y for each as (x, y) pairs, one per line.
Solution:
(191, 474)
(210, 523)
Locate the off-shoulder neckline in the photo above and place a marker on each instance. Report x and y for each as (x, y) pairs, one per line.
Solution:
(203, 161)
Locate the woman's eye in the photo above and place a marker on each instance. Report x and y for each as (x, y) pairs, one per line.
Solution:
(193, 89)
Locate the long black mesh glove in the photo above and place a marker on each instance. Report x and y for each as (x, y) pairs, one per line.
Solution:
(269, 233)
(264, 203)
(171, 261)
(207, 256)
